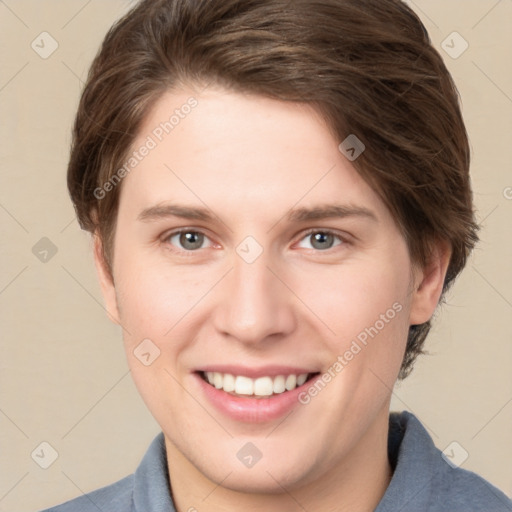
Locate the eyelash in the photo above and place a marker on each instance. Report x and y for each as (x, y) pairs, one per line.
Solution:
(335, 234)
(175, 249)
(342, 239)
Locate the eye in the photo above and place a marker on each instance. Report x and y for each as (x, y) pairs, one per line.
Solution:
(189, 240)
(320, 240)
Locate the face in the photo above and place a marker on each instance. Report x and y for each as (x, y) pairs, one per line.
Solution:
(264, 290)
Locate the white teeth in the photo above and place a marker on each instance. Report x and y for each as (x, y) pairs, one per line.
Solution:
(262, 386)
(217, 380)
(229, 383)
(291, 382)
(279, 386)
(301, 379)
(244, 385)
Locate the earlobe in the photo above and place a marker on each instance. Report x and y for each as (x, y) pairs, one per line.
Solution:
(428, 285)
(106, 280)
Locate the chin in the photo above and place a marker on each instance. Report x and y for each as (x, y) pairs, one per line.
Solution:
(270, 475)
(262, 480)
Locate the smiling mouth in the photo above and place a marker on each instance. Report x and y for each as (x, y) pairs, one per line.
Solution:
(262, 387)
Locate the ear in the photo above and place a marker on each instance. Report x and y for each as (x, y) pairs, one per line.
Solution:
(428, 284)
(106, 280)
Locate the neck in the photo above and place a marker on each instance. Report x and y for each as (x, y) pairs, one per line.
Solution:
(356, 483)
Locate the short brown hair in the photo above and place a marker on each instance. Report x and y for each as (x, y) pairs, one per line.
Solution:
(366, 65)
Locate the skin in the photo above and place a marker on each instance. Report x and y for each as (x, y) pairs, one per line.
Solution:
(250, 160)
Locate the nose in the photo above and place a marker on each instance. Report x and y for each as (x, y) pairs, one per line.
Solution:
(253, 305)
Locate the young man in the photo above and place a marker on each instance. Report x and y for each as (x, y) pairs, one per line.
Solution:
(279, 196)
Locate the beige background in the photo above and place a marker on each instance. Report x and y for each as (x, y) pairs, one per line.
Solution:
(64, 379)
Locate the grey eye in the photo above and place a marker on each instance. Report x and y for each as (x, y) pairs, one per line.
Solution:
(320, 240)
(188, 240)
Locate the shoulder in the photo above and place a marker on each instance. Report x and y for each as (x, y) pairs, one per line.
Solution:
(146, 489)
(427, 480)
(116, 497)
(456, 489)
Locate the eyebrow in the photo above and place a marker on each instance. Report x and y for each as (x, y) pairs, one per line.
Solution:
(163, 211)
(330, 211)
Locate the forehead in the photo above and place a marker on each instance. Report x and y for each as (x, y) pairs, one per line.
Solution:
(236, 152)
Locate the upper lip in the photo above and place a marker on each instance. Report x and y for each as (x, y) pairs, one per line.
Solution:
(255, 372)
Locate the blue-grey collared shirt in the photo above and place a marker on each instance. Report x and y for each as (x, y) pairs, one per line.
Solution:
(423, 480)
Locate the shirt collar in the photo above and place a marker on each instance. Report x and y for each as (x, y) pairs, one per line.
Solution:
(413, 453)
(151, 489)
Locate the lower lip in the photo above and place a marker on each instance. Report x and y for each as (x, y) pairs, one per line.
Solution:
(253, 410)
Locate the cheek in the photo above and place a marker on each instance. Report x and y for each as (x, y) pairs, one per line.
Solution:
(349, 299)
(147, 293)
(362, 313)
(159, 301)
(156, 306)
